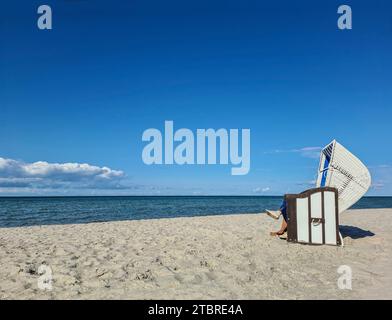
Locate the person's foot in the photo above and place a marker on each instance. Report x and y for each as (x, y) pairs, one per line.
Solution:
(283, 236)
(278, 233)
(274, 214)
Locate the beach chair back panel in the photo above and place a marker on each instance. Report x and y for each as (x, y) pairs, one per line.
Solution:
(313, 216)
(303, 219)
(331, 233)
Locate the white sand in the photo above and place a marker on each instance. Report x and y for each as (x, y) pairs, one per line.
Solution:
(216, 257)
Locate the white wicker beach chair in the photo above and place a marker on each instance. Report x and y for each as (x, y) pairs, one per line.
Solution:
(313, 215)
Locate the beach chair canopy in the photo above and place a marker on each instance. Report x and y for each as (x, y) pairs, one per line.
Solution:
(340, 169)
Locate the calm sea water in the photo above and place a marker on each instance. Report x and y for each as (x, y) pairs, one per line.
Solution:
(62, 210)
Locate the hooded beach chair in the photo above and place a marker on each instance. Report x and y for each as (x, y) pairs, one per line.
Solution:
(313, 215)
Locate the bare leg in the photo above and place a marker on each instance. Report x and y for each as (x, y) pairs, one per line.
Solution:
(282, 229)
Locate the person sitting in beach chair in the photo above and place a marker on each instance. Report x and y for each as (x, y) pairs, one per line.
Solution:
(342, 179)
(276, 214)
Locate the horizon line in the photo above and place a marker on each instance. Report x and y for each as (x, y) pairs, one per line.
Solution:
(152, 196)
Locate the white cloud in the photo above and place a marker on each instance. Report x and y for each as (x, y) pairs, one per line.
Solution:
(377, 185)
(380, 166)
(16, 174)
(308, 152)
(381, 179)
(15, 168)
(261, 190)
(309, 183)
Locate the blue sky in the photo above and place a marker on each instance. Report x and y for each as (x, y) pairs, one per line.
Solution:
(85, 91)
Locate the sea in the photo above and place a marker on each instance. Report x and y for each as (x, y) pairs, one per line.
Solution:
(30, 211)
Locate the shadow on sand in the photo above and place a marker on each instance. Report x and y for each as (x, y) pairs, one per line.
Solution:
(354, 232)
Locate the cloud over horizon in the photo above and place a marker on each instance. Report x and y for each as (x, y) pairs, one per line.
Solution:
(261, 190)
(307, 152)
(16, 174)
(43, 178)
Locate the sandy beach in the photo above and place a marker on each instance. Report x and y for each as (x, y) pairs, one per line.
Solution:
(214, 257)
